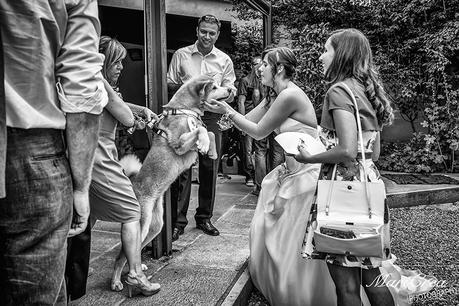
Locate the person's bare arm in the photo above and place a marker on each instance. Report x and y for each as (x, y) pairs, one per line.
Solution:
(256, 96)
(241, 104)
(142, 111)
(284, 106)
(258, 112)
(345, 150)
(82, 134)
(377, 147)
(118, 108)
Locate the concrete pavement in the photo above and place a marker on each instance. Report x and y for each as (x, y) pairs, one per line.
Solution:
(202, 269)
(206, 270)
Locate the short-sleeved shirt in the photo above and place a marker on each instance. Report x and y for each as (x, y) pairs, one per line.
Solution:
(246, 88)
(338, 98)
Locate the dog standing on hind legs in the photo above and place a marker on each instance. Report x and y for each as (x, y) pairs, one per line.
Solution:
(178, 137)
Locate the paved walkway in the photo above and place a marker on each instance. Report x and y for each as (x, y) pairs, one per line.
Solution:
(206, 270)
(202, 268)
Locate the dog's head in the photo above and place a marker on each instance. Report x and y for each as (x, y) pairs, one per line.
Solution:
(192, 94)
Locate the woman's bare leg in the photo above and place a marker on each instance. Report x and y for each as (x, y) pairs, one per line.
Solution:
(347, 283)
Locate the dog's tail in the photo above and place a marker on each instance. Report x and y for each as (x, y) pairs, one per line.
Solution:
(131, 165)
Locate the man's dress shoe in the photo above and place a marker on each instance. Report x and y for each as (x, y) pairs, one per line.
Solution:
(176, 232)
(208, 228)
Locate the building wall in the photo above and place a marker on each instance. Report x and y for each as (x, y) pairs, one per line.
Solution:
(196, 8)
(193, 8)
(401, 129)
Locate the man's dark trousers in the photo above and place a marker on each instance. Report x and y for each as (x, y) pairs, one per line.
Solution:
(208, 169)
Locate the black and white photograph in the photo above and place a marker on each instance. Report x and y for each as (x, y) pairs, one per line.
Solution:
(229, 152)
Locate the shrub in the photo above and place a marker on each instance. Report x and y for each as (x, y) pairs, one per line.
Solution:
(416, 48)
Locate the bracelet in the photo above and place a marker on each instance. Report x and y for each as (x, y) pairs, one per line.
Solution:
(230, 115)
(226, 121)
(131, 129)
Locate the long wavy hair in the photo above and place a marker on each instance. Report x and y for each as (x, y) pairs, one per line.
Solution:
(279, 56)
(113, 51)
(353, 59)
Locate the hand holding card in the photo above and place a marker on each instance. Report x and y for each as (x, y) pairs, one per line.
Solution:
(289, 141)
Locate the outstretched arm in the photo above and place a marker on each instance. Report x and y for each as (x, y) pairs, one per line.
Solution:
(284, 106)
(143, 111)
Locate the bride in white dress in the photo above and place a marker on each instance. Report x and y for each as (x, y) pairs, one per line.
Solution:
(276, 266)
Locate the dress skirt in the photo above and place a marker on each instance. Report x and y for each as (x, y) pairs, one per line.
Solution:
(277, 268)
(111, 195)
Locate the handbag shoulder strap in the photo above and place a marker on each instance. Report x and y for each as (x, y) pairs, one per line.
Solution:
(362, 148)
(359, 124)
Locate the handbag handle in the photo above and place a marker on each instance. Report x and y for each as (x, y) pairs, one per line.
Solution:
(362, 152)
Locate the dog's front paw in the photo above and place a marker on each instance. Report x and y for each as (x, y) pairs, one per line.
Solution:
(203, 145)
(212, 155)
(116, 285)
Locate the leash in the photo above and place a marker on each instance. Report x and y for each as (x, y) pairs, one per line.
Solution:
(154, 124)
(183, 112)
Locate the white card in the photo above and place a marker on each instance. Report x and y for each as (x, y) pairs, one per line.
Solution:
(289, 141)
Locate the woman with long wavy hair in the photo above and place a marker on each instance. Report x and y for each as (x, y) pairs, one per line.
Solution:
(347, 61)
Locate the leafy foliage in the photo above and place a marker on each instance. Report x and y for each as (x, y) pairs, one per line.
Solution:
(416, 48)
(248, 42)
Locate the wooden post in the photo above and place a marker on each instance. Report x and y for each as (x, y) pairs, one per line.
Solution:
(265, 8)
(267, 29)
(156, 69)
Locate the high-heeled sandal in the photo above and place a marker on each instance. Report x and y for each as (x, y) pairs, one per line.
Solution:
(135, 282)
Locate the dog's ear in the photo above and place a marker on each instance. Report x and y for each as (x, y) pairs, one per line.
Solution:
(204, 88)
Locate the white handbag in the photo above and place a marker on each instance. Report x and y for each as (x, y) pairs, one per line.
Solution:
(350, 214)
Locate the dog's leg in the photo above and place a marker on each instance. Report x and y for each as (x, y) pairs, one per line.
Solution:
(120, 262)
(212, 153)
(147, 210)
(186, 142)
(156, 222)
(203, 140)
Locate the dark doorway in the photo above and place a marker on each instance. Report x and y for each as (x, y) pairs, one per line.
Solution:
(127, 26)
